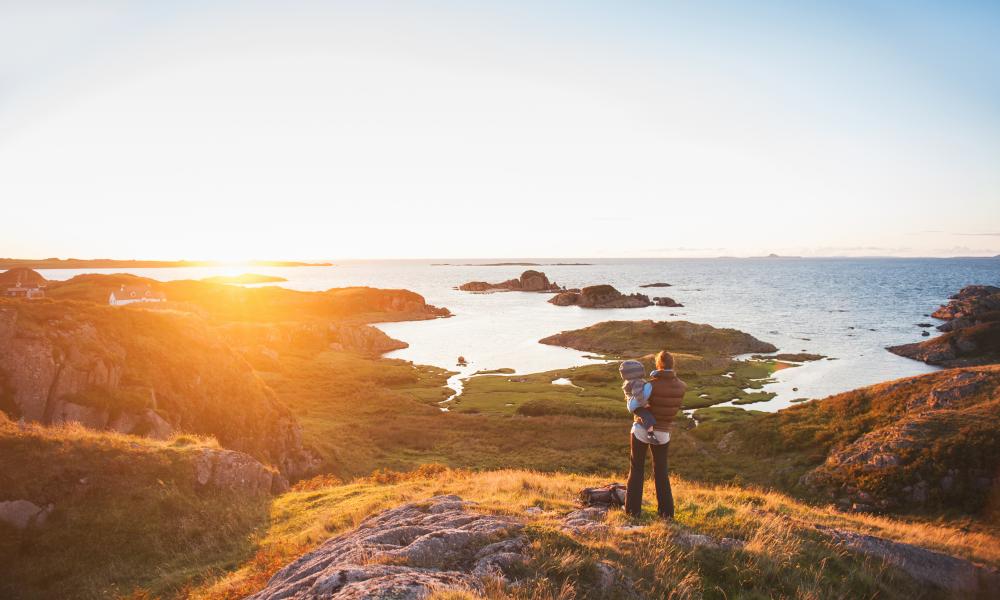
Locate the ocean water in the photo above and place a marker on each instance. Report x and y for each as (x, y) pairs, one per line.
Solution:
(846, 309)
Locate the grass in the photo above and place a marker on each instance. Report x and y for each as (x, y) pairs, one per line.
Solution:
(638, 338)
(596, 389)
(956, 438)
(126, 513)
(783, 555)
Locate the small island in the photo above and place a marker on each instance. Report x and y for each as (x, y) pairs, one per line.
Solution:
(600, 296)
(638, 338)
(529, 281)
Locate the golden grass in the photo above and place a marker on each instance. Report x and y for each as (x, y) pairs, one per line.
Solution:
(778, 531)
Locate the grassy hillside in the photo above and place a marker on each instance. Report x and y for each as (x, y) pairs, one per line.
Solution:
(126, 512)
(223, 302)
(112, 360)
(784, 555)
(926, 443)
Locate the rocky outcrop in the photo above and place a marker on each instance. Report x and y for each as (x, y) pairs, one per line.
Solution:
(971, 331)
(922, 442)
(665, 301)
(405, 553)
(236, 472)
(636, 338)
(655, 285)
(529, 281)
(601, 296)
(140, 372)
(959, 578)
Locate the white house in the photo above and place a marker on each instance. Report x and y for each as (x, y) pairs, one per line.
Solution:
(127, 294)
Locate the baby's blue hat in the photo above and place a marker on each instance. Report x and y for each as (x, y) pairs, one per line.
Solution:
(631, 369)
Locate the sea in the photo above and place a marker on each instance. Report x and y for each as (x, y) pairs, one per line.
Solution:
(847, 309)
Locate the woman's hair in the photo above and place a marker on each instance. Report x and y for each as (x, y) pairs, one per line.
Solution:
(664, 360)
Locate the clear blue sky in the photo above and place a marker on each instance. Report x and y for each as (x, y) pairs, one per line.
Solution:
(457, 129)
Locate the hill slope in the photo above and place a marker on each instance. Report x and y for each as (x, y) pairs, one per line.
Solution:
(104, 513)
(141, 372)
(925, 443)
(725, 540)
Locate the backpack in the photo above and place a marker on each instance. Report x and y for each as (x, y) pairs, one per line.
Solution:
(611, 495)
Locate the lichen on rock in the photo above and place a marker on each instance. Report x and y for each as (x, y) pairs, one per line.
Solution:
(405, 553)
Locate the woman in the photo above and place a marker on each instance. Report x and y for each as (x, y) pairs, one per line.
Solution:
(666, 394)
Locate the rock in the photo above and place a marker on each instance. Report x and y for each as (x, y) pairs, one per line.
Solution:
(959, 578)
(601, 296)
(529, 281)
(695, 540)
(971, 334)
(939, 427)
(234, 471)
(664, 301)
(21, 514)
(405, 553)
(730, 442)
(585, 520)
(655, 285)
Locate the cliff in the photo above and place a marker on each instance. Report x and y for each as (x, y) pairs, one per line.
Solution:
(140, 372)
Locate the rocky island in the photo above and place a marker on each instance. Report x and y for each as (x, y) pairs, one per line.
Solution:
(971, 331)
(638, 338)
(529, 281)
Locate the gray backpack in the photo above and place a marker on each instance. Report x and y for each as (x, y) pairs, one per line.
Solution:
(611, 495)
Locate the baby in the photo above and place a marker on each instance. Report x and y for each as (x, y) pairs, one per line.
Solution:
(637, 394)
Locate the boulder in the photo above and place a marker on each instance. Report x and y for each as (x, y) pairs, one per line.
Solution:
(405, 553)
(234, 471)
(665, 301)
(21, 514)
(957, 577)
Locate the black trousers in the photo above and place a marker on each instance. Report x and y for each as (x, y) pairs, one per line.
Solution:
(637, 473)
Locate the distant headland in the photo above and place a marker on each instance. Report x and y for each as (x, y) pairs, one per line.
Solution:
(110, 263)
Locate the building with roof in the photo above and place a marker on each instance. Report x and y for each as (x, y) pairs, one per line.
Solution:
(130, 294)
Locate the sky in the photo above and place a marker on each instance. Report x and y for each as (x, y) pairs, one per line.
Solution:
(323, 130)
